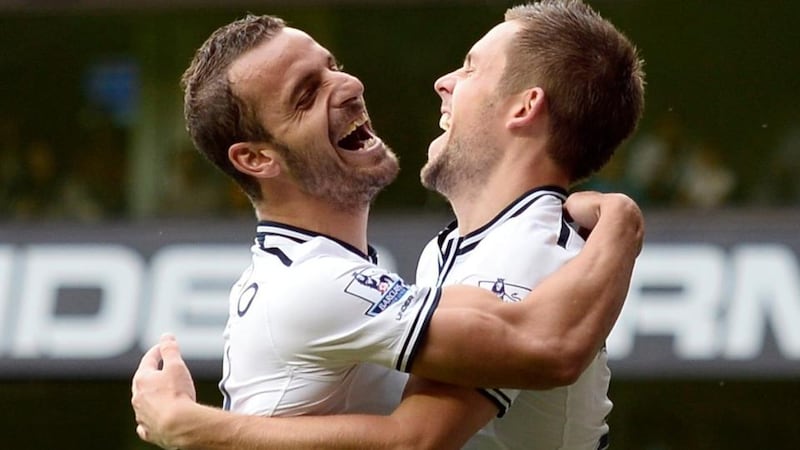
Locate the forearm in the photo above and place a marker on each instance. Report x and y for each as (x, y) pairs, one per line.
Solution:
(199, 427)
(594, 285)
(547, 339)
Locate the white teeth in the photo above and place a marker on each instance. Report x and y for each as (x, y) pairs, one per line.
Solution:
(444, 121)
(350, 129)
(361, 120)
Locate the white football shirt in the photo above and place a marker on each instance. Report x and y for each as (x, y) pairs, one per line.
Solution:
(510, 255)
(315, 327)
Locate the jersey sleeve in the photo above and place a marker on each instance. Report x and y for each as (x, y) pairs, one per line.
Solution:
(502, 398)
(345, 313)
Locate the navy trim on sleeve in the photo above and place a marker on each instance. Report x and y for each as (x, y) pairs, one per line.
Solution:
(502, 406)
(404, 363)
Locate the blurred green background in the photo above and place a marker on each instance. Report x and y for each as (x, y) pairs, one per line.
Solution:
(91, 125)
(91, 132)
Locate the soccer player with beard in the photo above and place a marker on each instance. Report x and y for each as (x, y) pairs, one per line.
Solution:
(315, 327)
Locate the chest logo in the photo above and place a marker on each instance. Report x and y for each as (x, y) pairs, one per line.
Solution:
(507, 292)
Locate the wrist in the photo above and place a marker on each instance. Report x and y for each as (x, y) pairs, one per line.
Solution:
(181, 423)
(623, 216)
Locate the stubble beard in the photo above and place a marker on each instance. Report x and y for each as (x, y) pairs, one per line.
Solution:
(346, 188)
(462, 167)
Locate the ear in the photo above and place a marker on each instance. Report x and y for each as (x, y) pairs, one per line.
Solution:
(256, 159)
(528, 106)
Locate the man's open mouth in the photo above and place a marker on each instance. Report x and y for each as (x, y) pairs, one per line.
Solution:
(358, 139)
(359, 135)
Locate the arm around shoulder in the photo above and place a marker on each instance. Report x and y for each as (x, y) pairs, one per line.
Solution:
(548, 339)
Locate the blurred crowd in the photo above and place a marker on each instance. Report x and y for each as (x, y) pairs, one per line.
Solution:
(661, 167)
(90, 181)
(665, 167)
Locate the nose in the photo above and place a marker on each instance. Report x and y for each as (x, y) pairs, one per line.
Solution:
(444, 85)
(349, 89)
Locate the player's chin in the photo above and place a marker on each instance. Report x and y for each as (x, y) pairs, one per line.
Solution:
(436, 146)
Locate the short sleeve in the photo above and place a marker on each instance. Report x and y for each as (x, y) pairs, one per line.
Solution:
(347, 313)
(502, 398)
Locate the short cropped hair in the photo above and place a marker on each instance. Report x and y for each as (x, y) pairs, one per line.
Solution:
(215, 117)
(590, 72)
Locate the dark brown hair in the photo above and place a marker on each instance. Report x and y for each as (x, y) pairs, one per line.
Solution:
(215, 117)
(590, 72)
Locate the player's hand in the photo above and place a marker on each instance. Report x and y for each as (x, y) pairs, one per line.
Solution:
(161, 383)
(585, 208)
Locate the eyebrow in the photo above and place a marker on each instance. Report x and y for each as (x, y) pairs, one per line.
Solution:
(332, 61)
(308, 79)
(301, 86)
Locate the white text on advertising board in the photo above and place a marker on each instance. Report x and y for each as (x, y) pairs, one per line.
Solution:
(713, 302)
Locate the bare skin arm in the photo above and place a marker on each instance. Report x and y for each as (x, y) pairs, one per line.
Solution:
(432, 415)
(557, 341)
(548, 339)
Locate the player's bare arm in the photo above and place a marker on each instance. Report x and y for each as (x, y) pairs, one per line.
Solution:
(594, 285)
(548, 339)
(432, 416)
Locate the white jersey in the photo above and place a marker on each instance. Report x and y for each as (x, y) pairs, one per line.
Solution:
(509, 256)
(315, 327)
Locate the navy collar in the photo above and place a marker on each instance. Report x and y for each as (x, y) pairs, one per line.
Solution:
(301, 235)
(515, 208)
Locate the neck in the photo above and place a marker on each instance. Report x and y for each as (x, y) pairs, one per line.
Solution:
(317, 215)
(477, 205)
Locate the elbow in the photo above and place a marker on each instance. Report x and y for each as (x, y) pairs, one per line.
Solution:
(562, 365)
(569, 370)
(565, 371)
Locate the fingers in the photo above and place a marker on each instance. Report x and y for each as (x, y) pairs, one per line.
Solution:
(151, 359)
(583, 208)
(169, 349)
(166, 350)
(157, 373)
